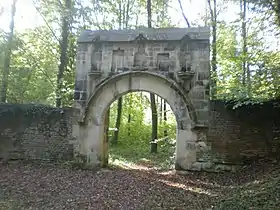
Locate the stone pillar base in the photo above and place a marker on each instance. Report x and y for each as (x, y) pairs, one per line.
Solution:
(207, 167)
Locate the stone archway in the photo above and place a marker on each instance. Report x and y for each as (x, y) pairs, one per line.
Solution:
(92, 139)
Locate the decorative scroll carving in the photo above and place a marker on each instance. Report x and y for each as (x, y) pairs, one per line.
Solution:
(118, 60)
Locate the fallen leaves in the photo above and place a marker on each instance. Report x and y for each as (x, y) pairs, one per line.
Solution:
(50, 187)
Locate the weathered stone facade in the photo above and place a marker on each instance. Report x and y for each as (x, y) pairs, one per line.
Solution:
(172, 63)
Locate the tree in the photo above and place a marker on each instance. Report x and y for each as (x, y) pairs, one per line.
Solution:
(8, 54)
(182, 11)
(213, 16)
(245, 65)
(269, 6)
(123, 23)
(152, 96)
(66, 18)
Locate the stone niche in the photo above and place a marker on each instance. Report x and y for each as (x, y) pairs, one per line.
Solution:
(118, 60)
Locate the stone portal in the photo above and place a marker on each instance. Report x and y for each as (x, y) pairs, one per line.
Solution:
(172, 63)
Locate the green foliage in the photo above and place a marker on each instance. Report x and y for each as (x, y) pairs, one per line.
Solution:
(29, 110)
(135, 136)
(262, 62)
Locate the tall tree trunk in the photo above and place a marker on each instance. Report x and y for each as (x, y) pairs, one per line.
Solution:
(149, 11)
(213, 14)
(277, 10)
(182, 11)
(154, 117)
(118, 121)
(129, 114)
(119, 111)
(105, 157)
(152, 96)
(245, 66)
(165, 118)
(161, 110)
(63, 50)
(8, 54)
(120, 16)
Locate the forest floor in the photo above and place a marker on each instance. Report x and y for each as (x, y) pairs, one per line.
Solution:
(33, 186)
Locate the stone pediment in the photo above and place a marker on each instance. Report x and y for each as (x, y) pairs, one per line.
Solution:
(140, 37)
(151, 34)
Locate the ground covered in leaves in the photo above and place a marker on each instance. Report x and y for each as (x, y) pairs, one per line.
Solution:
(30, 186)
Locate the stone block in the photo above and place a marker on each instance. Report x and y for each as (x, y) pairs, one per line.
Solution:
(200, 104)
(207, 166)
(197, 166)
(197, 93)
(222, 168)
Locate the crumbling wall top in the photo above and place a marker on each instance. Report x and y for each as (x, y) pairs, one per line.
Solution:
(151, 34)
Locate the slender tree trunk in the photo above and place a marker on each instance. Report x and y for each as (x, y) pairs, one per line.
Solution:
(105, 157)
(127, 14)
(118, 121)
(154, 116)
(213, 14)
(161, 110)
(182, 11)
(120, 100)
(149, 11)
(277, 10)
(165, 117)
(129, 114)
(8, 54)
(120, 16)
(152, 96)
(245, 65)
(63, 50)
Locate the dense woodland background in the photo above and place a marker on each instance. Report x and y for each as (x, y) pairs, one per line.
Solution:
(37, 65)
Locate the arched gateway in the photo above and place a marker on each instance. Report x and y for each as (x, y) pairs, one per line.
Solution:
(172, 63)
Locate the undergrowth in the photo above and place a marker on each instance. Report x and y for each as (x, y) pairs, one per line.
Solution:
(135, 148)
(261, 194)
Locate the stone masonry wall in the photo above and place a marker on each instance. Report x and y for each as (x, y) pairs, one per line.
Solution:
(242, 135)
(33, 132)
(237, 136)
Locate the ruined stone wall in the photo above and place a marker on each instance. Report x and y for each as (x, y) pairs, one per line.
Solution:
(244, 134)
(33, 132)
(234, 136)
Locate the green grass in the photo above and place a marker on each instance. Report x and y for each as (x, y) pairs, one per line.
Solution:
(138, 153)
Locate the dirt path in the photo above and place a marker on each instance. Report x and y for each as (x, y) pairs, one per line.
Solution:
(45, 187)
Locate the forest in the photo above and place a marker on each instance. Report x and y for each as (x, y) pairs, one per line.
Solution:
(37, 63)
(37, 66)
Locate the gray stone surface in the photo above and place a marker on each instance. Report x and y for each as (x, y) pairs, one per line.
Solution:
(170, 62)
(165, 34)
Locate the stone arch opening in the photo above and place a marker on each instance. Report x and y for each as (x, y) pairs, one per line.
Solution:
(94, 126)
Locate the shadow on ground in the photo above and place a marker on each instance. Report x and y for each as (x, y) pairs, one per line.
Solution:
(140, 154)
(136, 187)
